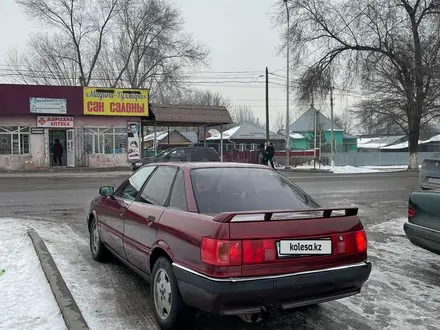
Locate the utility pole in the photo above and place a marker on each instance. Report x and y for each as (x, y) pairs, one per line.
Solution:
(315, 119)
(267, 105)
(332, 146)
(287, 83)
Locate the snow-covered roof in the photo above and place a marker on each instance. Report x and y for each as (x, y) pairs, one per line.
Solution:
(245, 131)
(377, 142)
(226, 134)
(397, 146)
(159, 136)
(296, 136)
(435, 138)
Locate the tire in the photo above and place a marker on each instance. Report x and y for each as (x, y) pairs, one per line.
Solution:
(97, 247)
(171, 314)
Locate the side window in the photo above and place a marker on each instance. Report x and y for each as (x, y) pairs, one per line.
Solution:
(157, 189)
(178, 195)
(130, 188)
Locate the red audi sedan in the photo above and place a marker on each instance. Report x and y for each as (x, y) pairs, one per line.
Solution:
(228, 239)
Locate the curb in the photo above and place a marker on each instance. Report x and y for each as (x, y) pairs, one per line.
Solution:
(297, 170)
(64, 174)
(68, 170)
(68, 307)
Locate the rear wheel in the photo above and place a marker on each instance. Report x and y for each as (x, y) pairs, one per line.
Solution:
(169, 309)
(97, 248)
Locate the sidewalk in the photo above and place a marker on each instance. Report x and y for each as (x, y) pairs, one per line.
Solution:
(67, 171)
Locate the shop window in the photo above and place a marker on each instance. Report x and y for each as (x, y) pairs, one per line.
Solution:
(105, 140)
(14, 140)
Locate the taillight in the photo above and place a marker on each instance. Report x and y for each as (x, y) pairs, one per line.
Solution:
(221, 252)
(258, 251)
(235, 253)
(411, 212)
(361, 241)
(353, 242)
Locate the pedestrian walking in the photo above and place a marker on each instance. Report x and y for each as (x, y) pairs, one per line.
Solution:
(262, 155)
(57, 152)
(270, 152)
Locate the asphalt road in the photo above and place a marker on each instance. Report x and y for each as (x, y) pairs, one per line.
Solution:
(402, 292)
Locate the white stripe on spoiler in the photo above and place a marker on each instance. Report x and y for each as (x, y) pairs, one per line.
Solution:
(249, 216)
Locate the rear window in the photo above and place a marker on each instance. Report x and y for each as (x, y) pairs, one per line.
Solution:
(209, 155)
(218, 190)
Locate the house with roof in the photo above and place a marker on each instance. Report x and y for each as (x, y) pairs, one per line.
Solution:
(245, 137)
(373, 143)
(171, 138)
(304, 127)
(400, 144)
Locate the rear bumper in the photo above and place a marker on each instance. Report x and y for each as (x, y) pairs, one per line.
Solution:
(233, 296)
(425, 238)
(426, 185)
(429, 186)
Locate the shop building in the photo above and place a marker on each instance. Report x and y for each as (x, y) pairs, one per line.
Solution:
(96, 127)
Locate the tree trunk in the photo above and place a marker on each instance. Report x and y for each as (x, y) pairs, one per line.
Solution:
(413, 152)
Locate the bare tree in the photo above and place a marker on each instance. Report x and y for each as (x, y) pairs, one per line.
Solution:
(351, 38)
(280, 122)
(203, 97)
(108, 43)
(150, 50)
(344, 121)
(242, 114)
(81, 25)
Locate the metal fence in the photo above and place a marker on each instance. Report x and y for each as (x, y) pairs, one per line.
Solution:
(375, 158)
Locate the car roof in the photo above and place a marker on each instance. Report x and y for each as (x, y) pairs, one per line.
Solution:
(212, 165)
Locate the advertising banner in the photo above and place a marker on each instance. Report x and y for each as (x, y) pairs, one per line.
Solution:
(115, 102)
(55, 122)
(48, 106)
(133, 141)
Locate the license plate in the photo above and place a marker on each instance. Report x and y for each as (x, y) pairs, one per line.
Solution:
(304, 247)
(434, 180)
(138, 164)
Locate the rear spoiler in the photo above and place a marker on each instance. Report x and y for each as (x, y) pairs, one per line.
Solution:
(267, 215)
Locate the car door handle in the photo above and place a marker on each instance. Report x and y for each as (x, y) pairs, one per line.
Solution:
(150, 219)
(122, 210)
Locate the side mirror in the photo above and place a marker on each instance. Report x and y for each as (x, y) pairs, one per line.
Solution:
(107, 191)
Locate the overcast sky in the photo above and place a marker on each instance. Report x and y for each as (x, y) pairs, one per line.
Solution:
(240, 35)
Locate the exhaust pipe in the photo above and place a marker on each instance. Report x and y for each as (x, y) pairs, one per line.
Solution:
(255, 317)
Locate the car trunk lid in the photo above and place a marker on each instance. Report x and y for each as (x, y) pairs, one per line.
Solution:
(424, 209)
(295, 241)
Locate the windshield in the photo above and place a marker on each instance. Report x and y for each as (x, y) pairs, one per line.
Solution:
(164, 152)
(218, 190)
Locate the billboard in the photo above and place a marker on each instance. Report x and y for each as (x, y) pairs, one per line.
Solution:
(115, 102)
(44, 105)
(133, 138)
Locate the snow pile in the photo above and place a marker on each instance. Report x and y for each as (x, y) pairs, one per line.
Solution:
(27, 300)
(341, 169)
(350, 169)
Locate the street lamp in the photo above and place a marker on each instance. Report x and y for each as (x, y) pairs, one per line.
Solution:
(287, 83)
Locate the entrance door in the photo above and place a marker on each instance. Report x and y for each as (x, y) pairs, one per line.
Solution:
(70, 148)
(59, 135)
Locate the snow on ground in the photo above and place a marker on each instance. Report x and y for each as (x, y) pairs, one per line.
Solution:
(352, 169)
(402, 290)
(348, 169)
(82, 275)
(27, 302)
